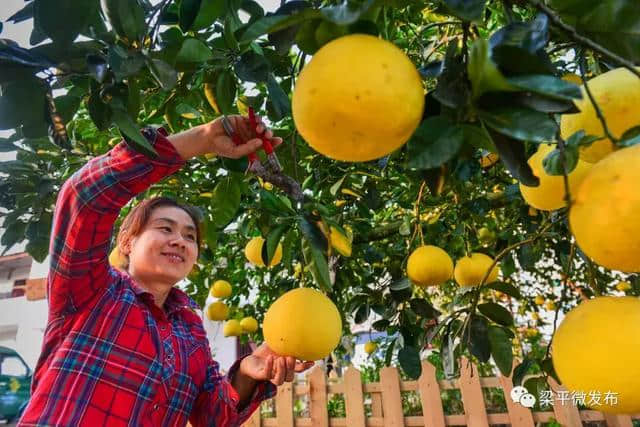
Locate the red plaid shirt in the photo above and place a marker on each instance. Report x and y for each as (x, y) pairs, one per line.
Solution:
(110, 356)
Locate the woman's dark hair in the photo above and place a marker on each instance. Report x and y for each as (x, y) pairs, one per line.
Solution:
(137, 219)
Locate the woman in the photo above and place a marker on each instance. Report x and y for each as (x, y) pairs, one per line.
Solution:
(127, 348)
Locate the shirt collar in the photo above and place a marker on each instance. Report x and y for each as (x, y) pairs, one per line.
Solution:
(176, 300)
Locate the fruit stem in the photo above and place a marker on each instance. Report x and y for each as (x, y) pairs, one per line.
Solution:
(573, 34)
(593, 101)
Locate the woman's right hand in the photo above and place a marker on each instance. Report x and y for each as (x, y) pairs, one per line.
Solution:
(221, 144)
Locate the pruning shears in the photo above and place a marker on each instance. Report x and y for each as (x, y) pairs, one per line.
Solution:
(273, 172)
(255, 165)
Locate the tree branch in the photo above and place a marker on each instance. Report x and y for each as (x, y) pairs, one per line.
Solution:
(573, 34)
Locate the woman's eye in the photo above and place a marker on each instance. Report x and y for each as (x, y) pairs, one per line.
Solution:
(166, 229)
(191, 237)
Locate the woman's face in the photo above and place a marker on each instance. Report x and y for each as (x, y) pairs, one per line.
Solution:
(166, 249)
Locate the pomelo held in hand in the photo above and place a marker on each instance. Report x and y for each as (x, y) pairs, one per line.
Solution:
(358, 99)
(303, 323)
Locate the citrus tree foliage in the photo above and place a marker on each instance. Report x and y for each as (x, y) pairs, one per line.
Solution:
(492, 73)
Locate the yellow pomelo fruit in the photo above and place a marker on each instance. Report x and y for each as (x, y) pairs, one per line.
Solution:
(358, 99)
(249, 325)
(572, 78)
(550, 306)
(370, 347)
(253, 252)
(340, 242)
(221, 289)
(217, 311)
(550, 194)
(232, 328)
(429, 266)
(605, 212)
(489, 159)
(210, 94)
(117, 260)
(539, 300)
(623, 286)
(610, 326)
(485, 235)
(470, 270)
(617, 93)
(303, 323)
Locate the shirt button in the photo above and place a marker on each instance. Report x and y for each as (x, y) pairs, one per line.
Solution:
(155, 407)
(163, 328)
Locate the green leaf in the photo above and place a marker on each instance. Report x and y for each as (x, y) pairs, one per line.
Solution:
(362, 314)
(497, 313)
(273, 239)
(547, 366)
(188, 12)
(347, 12)
(423, 308)
(479, 337)
(452, 88)
(552, 162)
(13, 233)
(467, 10)
(123, 64)
(131, 133)
(630, 137)
(501, 349)
(518, 48)
(506, 288)
(435, 142)
(226, 91)
(550, 86)
(225, 200)
(273, 203)
(521, 370)
(477, 137)
(447, 353)
(513, 155)
(521, 123)
(186, 109)
(38, 234)
(313, 234)
(409, 358)
(22, 102)
(67, 105)
(99, 112)
(62, 20)
(210, 10)
(164, 74)
(400, 284)
(388, 355)
(483, 73)
(193, 51)
(610, 23)
(279, 98)
(335, 187)
(126, 17)
(252, 68)
(317, 264)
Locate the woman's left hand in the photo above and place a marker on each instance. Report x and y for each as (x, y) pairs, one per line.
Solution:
(264, 365)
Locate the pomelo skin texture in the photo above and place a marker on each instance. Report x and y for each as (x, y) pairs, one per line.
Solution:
(358, 99)
(429, 265)
(303, 323)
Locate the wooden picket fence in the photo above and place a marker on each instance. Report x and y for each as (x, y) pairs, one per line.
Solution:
(386, 403)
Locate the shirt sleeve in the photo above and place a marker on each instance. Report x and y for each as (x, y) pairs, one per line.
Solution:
(86, 209)
(218, 404)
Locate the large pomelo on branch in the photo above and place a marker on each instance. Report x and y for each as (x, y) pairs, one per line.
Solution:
(358, 99)
(550, 194)
(303, 323)
(617, 93)
(605, 214)
(429, 265)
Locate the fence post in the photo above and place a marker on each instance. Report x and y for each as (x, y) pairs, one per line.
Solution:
(474, 410)
(567, 415)
(353, 398)
(254, 421)
(432, 412)
(518, 414)
(613, 420)
(391, 397)
(318, 397)
(284, 405)
(376, 405)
